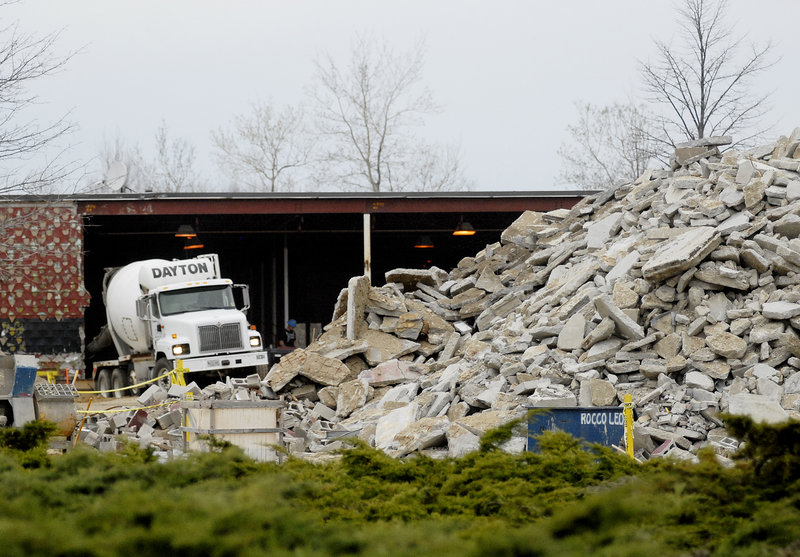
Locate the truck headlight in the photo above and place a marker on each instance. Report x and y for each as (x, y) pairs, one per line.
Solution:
(180, 349)
(255, 341)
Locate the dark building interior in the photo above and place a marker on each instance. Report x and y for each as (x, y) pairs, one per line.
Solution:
(315, 248)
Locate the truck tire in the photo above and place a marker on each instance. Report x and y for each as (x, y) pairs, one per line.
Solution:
(162, 366)
(262, 370)
(6, 413)
(102, 382)
(119, 381)
(130, 374)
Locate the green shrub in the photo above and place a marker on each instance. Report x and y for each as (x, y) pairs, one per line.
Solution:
(32, 435)
(568, 499)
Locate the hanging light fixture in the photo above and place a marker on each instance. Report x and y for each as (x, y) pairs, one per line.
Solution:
(423, 242)
(463, 228)
(193, 243)
(186, 231)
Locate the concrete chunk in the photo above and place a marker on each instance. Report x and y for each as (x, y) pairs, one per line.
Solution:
(410, 277)
(681, 253)
(571, 336)
(422, 434)
(520, 232)
(461, 441)
(322, 370)
(727, 345)
(626, 326)
(698, 380)
(599, 232)
(409, 326)
(357, 295)
(759, 408)
(351, 396)
(780, 310)
(393, 423)
(390, 372)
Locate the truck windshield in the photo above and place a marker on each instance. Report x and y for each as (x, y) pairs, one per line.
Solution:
(196, 299)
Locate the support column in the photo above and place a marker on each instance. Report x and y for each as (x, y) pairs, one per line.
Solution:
(274, 291)
(285, 283)
(368, 247)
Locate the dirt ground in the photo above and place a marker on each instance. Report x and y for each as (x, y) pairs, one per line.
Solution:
(98, 402)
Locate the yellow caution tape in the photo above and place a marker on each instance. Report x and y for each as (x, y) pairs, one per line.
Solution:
(169, 373)
(176, 375)
(118, 410)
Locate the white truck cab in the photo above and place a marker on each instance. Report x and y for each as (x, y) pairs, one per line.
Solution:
(162, 311)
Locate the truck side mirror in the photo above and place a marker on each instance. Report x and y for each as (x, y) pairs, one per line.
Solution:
(141, 308)
(245, 296)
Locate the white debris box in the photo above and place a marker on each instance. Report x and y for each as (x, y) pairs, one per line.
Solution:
(253, 425)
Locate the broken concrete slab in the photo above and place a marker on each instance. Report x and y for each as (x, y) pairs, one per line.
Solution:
(600, 231)
(727, 345)
(780, 310)
(626, 326)
(461, 440)
(322, 370)
(350, 396)
(521, 231)
(409, 326)
(410, 277)
(571, 336)
(758, 408)
(357, 296)
(420, 435)
(681, 253)
(699, 380)
(393, 423)
(390, 372)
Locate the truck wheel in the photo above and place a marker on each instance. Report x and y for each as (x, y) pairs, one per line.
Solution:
(6, 414)
(119, 381)
(163, 366)
(133, 380)
(102, 382)
(262, 370)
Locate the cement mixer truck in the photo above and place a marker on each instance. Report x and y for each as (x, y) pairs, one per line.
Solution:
(161, 311)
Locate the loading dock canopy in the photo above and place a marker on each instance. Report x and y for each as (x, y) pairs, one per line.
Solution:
(296, 250)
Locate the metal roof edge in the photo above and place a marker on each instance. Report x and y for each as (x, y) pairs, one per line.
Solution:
(243, 196)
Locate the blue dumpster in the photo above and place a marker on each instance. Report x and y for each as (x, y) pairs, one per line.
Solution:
(24, 380)
(604, 425)
(17, 376)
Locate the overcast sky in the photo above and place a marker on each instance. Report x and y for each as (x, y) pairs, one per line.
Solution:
(505, 72)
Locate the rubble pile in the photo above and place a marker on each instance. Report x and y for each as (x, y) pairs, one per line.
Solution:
(681, 289)
(157, 423)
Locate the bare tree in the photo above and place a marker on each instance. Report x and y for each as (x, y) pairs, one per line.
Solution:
(265, 149)
(368, 110)
(171, 170)
(607, 144)
(703, 82)
(434, 168)
(32, 152)
(25, 142)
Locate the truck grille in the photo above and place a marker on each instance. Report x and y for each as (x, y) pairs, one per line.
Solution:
(220, 337)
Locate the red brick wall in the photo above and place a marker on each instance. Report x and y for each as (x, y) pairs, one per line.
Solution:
(41, 262)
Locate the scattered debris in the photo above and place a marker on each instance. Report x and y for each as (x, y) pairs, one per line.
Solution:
(681, 289)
